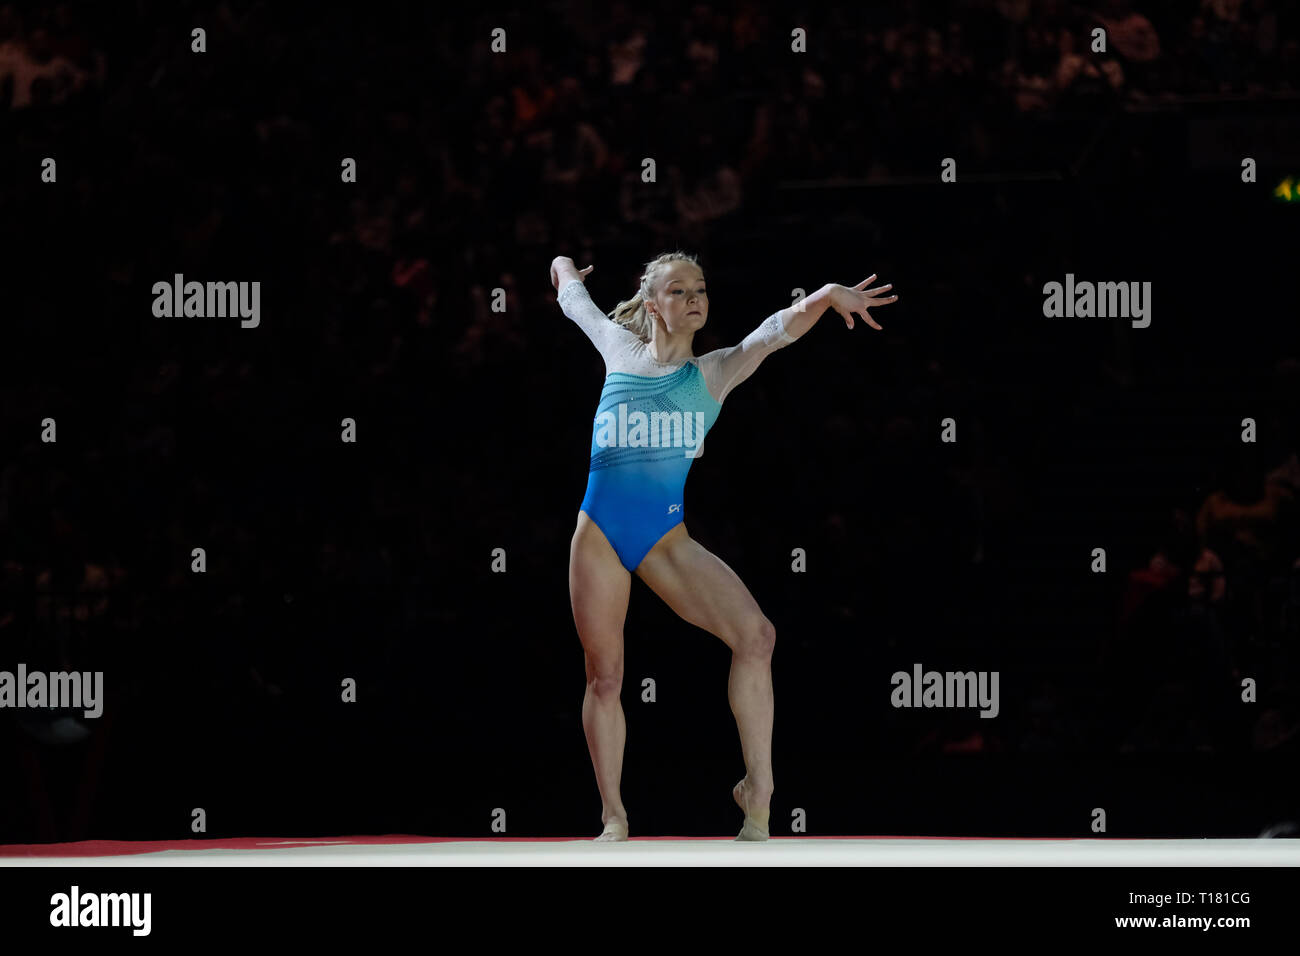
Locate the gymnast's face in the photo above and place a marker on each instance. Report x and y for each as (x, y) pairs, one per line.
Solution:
(683, 299)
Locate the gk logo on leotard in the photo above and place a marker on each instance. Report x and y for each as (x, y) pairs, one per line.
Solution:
(672, 508)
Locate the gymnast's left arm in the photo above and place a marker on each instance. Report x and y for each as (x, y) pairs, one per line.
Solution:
(724, 369)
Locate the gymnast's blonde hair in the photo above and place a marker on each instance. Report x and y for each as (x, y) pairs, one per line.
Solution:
(632, 314)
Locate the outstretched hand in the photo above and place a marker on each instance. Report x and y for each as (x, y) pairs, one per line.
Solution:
(562, 266)
(855, 301)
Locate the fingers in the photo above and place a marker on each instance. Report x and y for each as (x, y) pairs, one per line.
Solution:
(873, 297)
(869, 298)
(867, 319)
(862, 314)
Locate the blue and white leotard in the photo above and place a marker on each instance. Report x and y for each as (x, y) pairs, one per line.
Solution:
(651, 422)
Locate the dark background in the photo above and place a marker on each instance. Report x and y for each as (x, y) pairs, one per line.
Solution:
(328, 560)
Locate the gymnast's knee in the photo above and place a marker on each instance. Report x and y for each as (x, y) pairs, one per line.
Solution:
(606, 682)
(758, 638)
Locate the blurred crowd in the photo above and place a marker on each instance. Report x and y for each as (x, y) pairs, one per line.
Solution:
(1213, 619)
(474, 170)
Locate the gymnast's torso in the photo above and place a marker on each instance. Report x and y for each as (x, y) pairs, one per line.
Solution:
(651, 422)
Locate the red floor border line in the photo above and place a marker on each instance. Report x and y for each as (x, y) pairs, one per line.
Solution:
(135, 847)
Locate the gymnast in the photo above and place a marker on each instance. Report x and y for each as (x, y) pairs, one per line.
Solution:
(658, 401)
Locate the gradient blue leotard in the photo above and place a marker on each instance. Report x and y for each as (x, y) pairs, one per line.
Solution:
(646, 433)
(651, 422)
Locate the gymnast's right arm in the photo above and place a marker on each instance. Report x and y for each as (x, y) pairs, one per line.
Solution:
(563, 269)
(573, 299)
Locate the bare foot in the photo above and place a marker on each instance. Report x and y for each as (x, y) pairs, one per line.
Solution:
(615, 831)
(756, 819)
